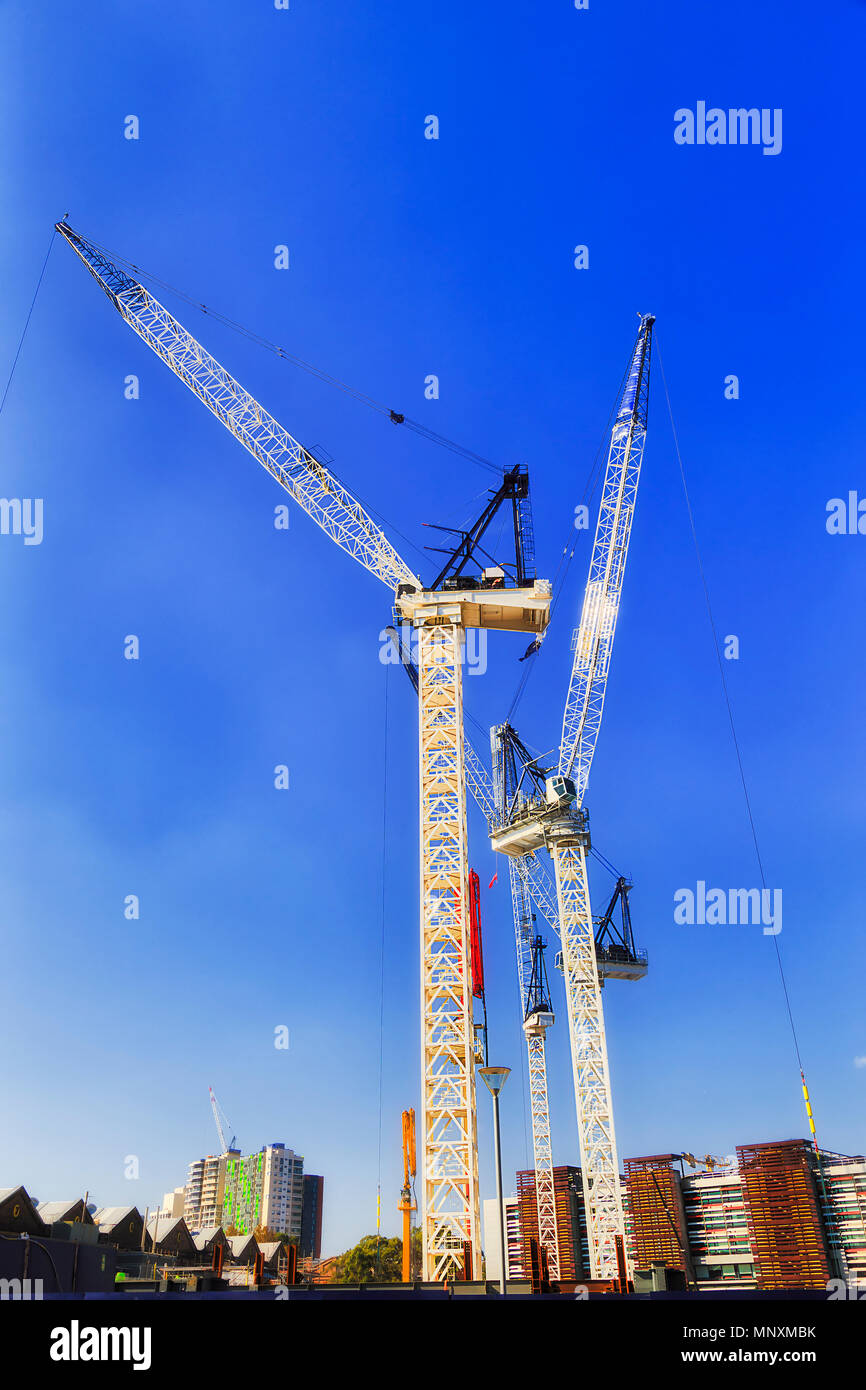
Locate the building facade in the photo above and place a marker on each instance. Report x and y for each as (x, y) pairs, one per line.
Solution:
(570, 1220)
(242, 1193)
(514, 1268)
(771, 1219)
(310, 1244)
(174, 1203)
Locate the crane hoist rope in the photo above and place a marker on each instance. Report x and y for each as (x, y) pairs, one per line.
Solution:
(382, 960)
(746, 796)
(27, 322)
(396, 417)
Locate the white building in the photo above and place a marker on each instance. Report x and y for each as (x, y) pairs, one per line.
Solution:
(173, 1203)
(282, 1189)
(492, 1247)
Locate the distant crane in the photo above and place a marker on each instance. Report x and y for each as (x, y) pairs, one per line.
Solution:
(220, 1118)
(407, 1204)
(709, 1161)
(508, 599)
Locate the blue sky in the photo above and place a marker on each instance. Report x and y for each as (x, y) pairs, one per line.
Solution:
(410, 257)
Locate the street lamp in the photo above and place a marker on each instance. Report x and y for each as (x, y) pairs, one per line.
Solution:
(494, 1079)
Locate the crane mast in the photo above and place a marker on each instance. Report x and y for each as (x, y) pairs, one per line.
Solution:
(450, 1201)
(529, 885)
(441, 616)
(535, 1023)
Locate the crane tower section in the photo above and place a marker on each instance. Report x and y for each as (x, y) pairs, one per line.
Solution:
(512, 602)
(511, 792)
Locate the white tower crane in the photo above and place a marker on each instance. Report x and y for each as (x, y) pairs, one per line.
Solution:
(507, 784)
(220, 1116)
(440, 615)
(551, 814)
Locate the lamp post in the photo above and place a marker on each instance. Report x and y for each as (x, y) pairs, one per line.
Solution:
(494, 1079)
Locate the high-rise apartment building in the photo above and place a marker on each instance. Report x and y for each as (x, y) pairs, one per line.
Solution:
(205, 1189)
(242, 1193)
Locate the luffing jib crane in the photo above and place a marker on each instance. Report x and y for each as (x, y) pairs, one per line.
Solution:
(496, 599)
(540, 810)
(219, 1117)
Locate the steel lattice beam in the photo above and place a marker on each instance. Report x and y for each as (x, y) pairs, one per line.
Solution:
(539, 1105)
(450, 1206)
(313, 486)
(598, 1155)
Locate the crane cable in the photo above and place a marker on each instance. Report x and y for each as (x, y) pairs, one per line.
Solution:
(746, 796)
(27, 321)
(382, 970)
(396, 416)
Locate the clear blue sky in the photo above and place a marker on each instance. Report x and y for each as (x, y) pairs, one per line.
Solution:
(411, 257)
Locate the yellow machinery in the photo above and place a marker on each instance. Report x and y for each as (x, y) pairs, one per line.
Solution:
(407, 1202)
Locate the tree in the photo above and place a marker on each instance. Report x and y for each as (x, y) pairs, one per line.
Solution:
(266, 1233)
(365, 1264)
(417, 1245)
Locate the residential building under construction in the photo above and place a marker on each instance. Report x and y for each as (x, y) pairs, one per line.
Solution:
(768, 1218)
(775, 1218)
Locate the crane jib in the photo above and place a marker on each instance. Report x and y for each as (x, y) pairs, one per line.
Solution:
(313, 486)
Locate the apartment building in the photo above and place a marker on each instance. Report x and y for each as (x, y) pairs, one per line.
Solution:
(774, 1218)
(242, 1192)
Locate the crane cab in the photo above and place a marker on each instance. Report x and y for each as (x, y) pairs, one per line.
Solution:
(560, 791)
